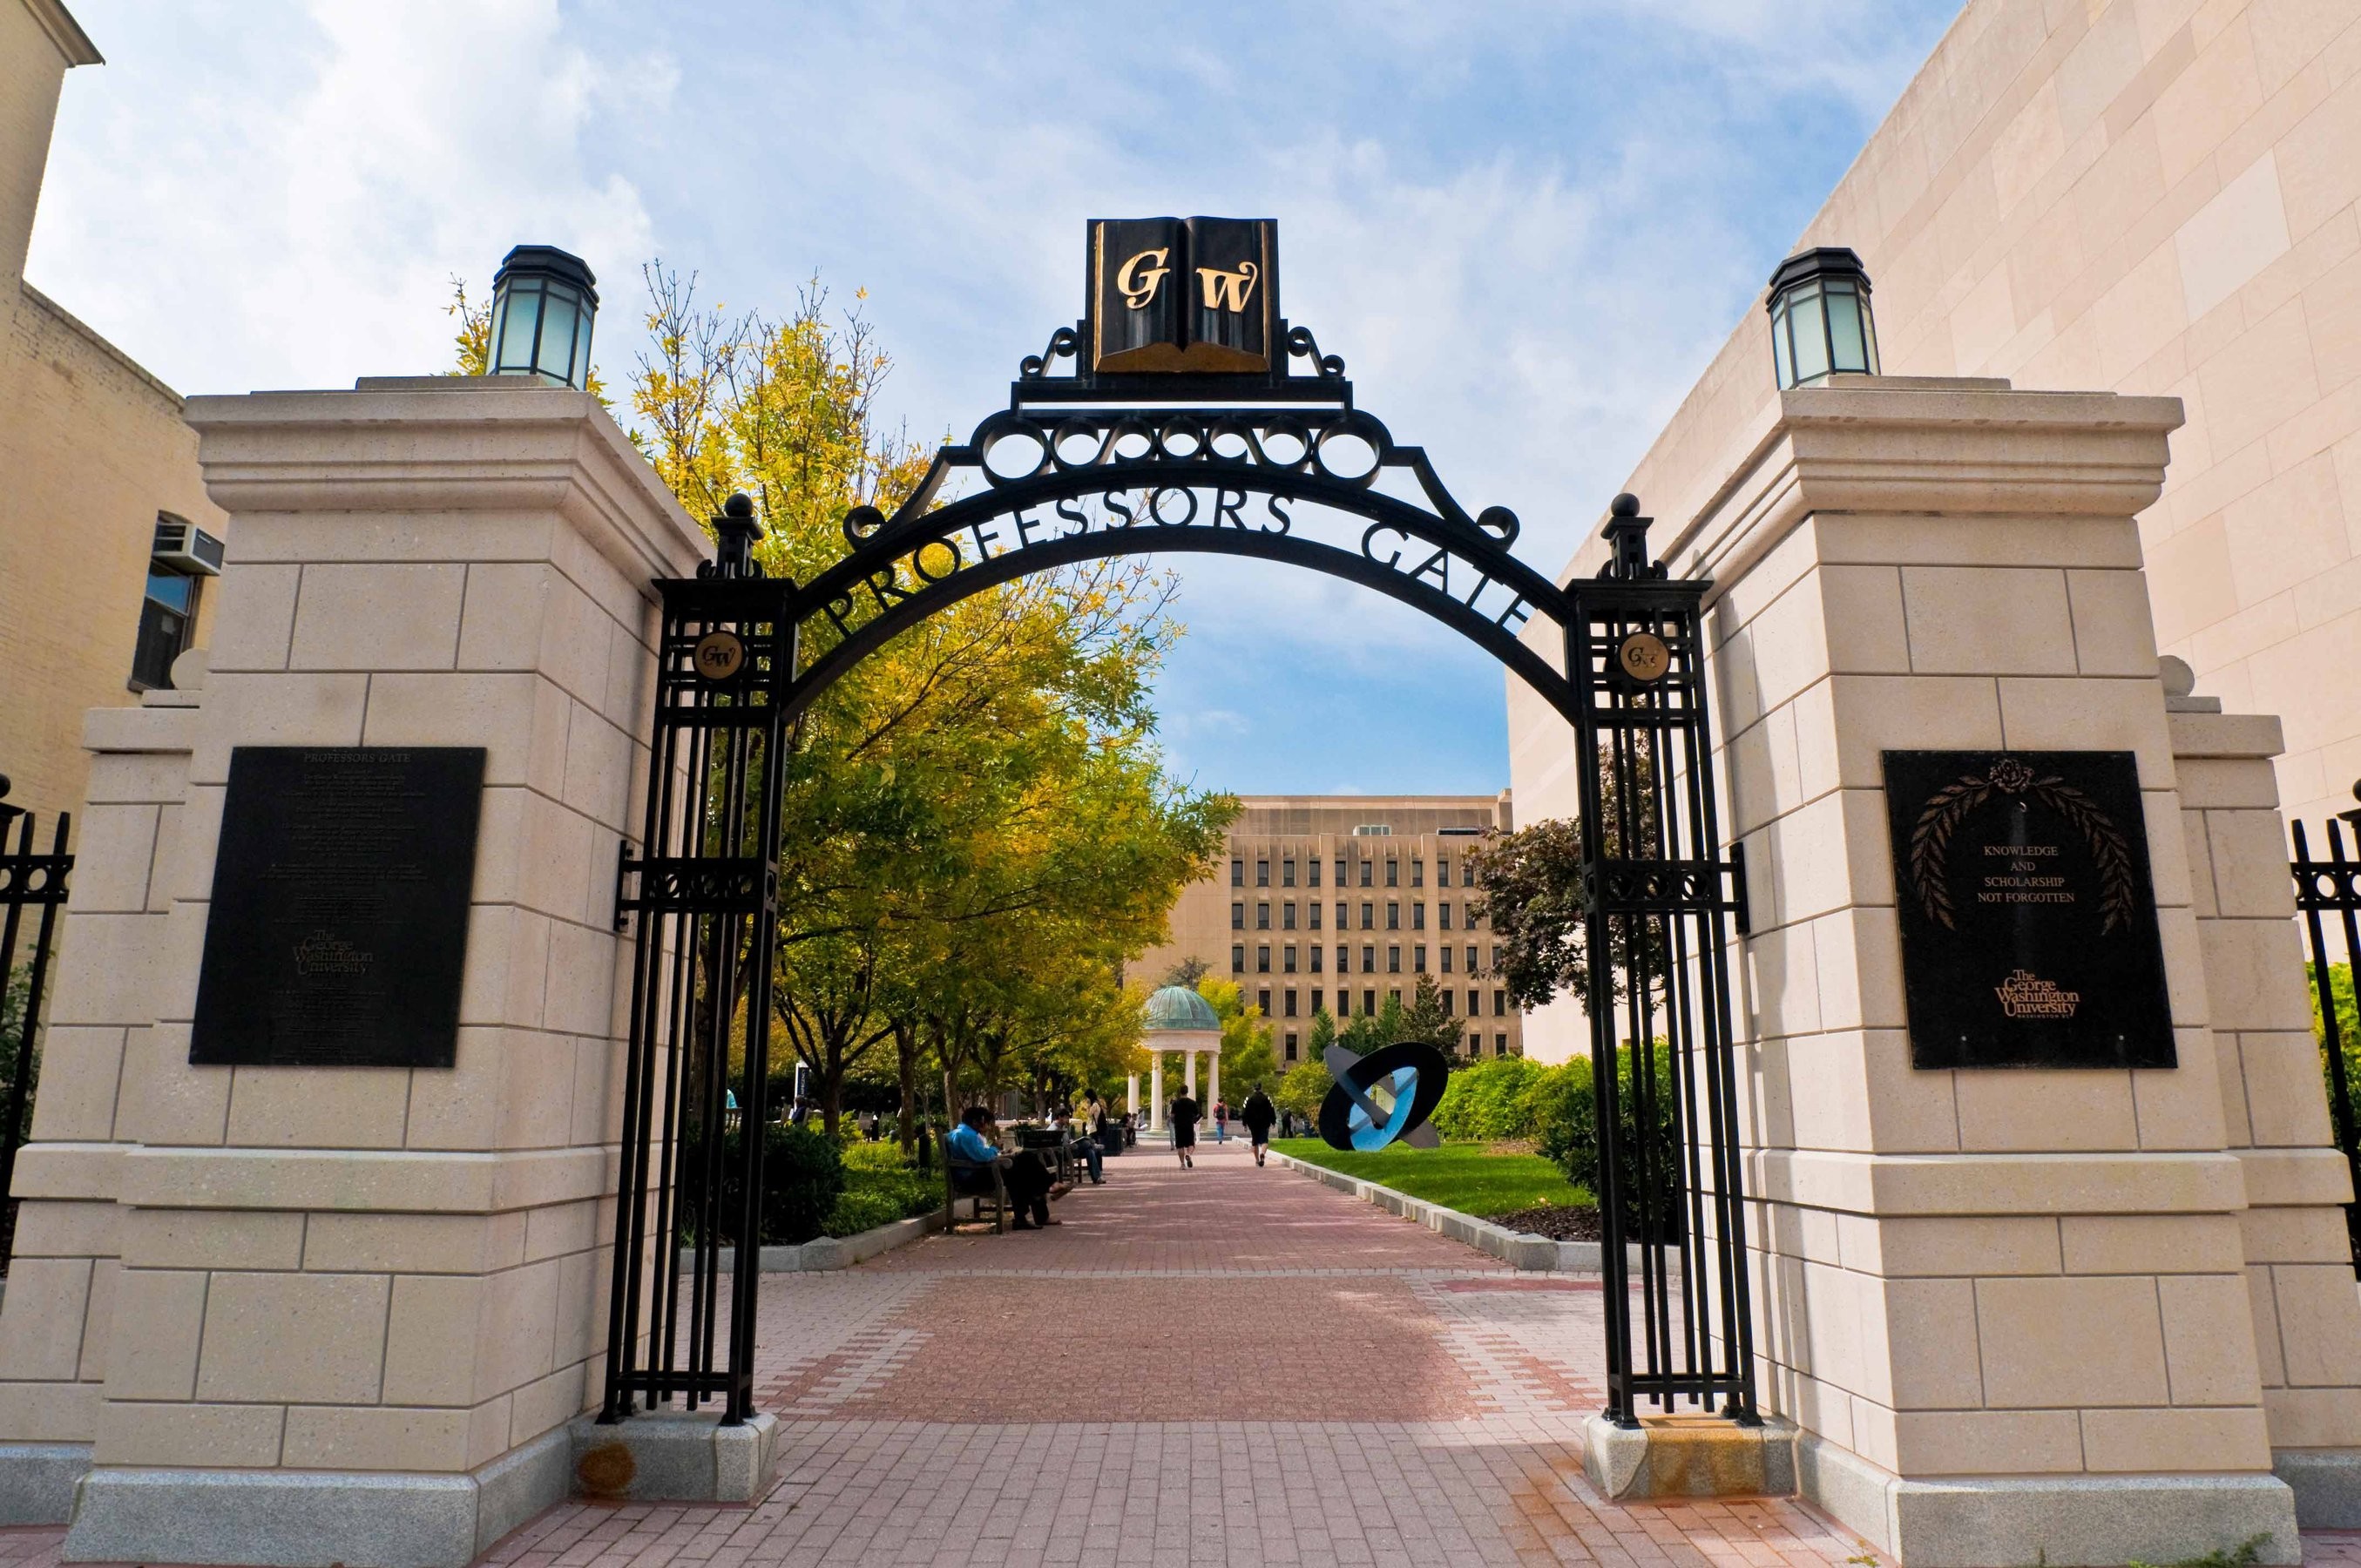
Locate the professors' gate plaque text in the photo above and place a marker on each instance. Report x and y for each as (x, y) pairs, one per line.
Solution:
(338, 928)
(2027, 920)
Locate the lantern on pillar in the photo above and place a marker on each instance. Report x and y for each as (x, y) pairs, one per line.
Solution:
(1821, 323)
(542, 302)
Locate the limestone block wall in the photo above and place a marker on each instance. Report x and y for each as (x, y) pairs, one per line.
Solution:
(365, 1269)
(55, 1340)
(2299, 1267)
(2014, 1282)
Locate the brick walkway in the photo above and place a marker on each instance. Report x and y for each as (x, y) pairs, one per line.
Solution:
(1229, 1366)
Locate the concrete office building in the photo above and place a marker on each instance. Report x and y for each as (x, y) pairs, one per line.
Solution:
(2147, 196)
(1342, 901)
(106, 535)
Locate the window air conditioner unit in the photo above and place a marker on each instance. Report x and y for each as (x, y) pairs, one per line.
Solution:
(186, 548)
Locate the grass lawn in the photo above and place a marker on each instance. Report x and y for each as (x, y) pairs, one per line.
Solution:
(1458, 1175)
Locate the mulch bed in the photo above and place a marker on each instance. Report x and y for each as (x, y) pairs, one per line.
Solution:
(1560, 1225)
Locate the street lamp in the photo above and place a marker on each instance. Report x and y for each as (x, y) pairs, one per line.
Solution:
(1821, 323)
(542, 302)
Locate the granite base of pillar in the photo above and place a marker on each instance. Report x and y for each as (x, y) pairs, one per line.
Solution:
(674, 1456)
(2064, 1521)
(2326, 1483)
(287, 1519)
(1689, 1456)
(38, 1480)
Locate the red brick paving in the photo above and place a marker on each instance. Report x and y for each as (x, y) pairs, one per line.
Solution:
(1218, 1366)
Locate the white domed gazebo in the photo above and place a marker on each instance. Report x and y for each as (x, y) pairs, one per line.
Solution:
(1177, 1019)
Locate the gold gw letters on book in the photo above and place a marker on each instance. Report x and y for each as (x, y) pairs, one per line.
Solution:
(1139, 285)
(1228, 290)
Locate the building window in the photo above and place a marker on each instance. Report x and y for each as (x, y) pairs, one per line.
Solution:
(1418, 957)
(1393, 917)
(1475, 1003)
(1287, 915)
(1316, 951)
(1475, 1045)
(1344, 1005)
(1286, 958)
(1237, 874)
(1443, 914)
(1262, 1001)
(1316, 993)
(1368, 959)
(1418, 873)
(1471, 958)
(1343, 961)
(1395, 993)
(168, 616)
(1443, 953)
(1447, 996)
(1311, 873)
(1367, 866)
(1499, 1044)
(1393, 959)
(1442, 871)
(1369, 915)
(1290, 1045)
(1368, 1003)
(1344, 916)
(1314, 912)
(1499, 1004)
(1291, 1000)
(1262, 873)
(1340, 873)
(1237, 958)
(1237, 917)
(1393, 874)
(1287, 874)
(1262, 958)
(1418, 916)
(1262, 917)
(1492, 958)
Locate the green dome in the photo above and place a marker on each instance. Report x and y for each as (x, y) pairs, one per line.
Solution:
(1178, 1007)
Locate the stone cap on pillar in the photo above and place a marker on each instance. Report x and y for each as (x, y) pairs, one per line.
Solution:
(440, 443)
(1959, 445)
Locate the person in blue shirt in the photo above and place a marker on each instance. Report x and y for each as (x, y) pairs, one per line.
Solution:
(1026, 1178)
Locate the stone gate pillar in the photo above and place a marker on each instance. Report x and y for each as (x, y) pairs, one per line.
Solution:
(305, 1314)
(2010, 1312)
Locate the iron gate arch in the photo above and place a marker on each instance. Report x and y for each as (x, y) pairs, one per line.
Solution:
(1659, 890)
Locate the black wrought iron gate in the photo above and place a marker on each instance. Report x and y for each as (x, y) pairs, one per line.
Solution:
(707, 898)
(32, 880)
(2325, 887)
(1656, 890)
(1115, 462)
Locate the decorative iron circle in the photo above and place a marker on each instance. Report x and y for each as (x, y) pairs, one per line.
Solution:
(719, 655)
(1643, 657)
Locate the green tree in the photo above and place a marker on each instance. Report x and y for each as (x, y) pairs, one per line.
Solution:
(1302, 1088)
(1321, 1036)
(1424, 1019)
(1247, 1054)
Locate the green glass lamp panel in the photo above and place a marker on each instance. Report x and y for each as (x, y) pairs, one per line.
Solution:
(1845, 313)
(1779, 355)
(554, 356)
(1811, 338)
(517, 328)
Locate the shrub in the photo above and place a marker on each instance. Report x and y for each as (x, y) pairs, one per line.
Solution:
(1302, 1088)
(880, 1187)
(864, 1209)
(803, 1173)
(1485, 1099)
(1574, 1142)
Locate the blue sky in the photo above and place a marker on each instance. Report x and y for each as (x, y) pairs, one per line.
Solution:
(1526, 227)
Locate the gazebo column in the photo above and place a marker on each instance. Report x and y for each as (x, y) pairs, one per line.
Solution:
(1213, 1079)
(1131, 1093)
(1191, 1079)
(1155, 1093)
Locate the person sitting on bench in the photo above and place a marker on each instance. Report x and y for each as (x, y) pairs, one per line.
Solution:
(1025, 1176)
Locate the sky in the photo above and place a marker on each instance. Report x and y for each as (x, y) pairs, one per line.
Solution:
(1526, 227)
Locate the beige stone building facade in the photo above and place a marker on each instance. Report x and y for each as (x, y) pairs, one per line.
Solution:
(95, 455)
(2151, 196)
(1342, 901)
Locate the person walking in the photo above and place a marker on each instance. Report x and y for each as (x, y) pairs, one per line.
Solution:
(1184, 1115)
(1259, 1113)
(1221, 1120)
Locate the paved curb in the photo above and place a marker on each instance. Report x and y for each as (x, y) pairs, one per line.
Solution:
(1519, 1248)
(823, 1254)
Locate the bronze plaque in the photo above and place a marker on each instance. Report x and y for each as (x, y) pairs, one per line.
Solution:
(2027, 920)
(338, 930)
